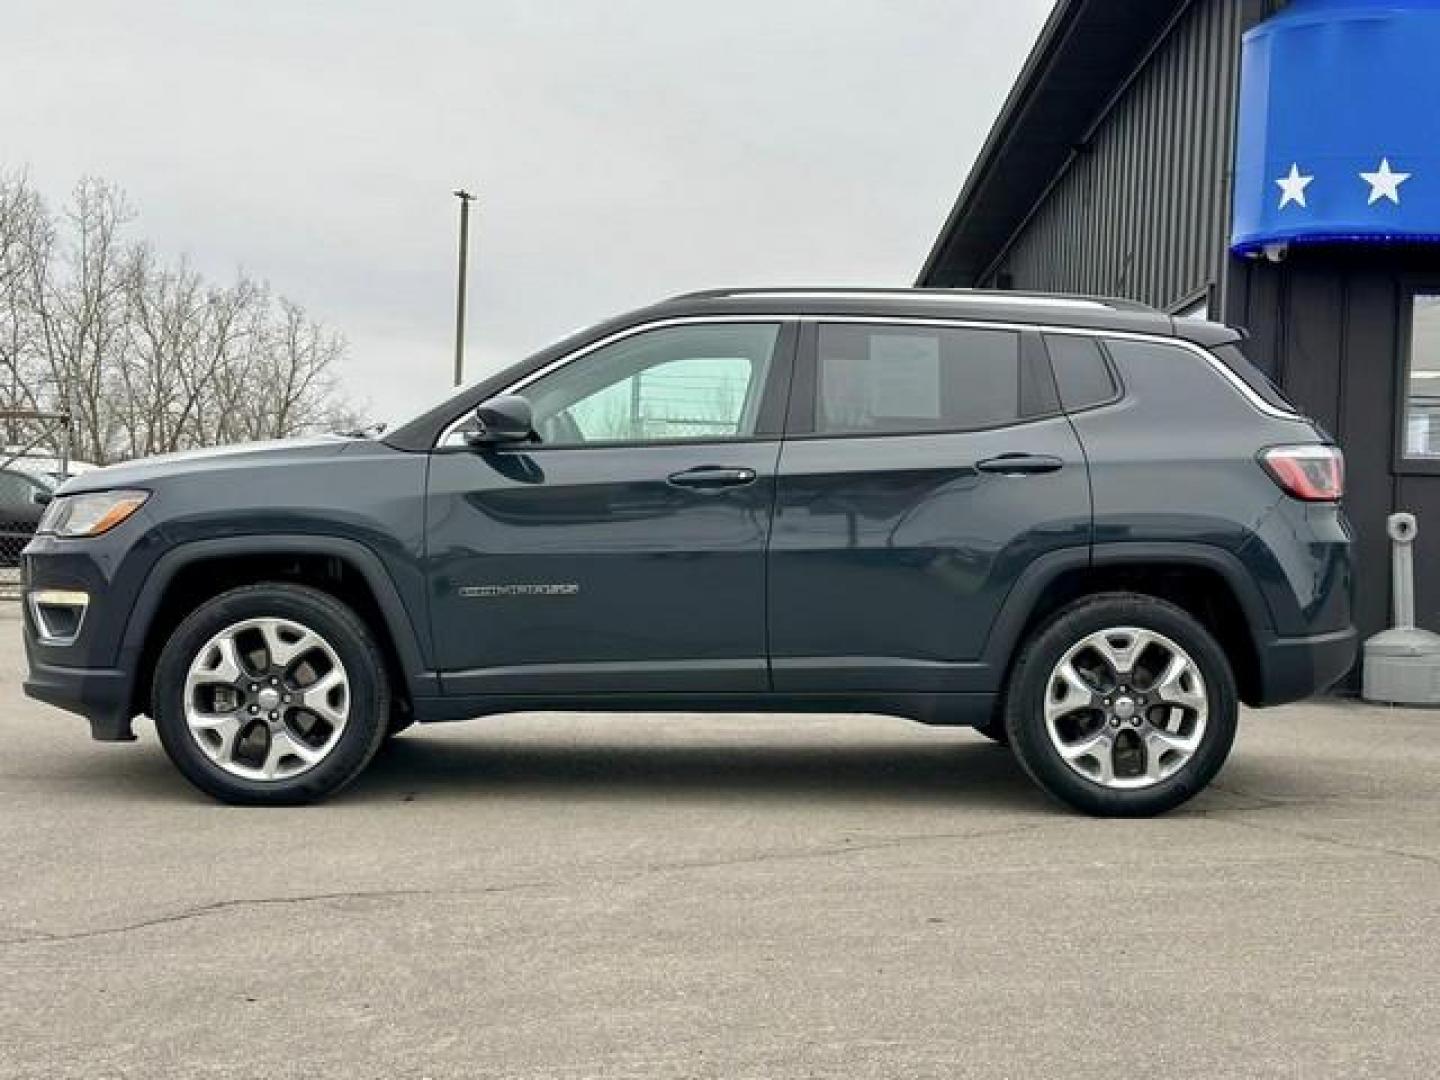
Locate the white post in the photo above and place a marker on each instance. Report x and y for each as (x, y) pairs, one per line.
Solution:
(1402, 529)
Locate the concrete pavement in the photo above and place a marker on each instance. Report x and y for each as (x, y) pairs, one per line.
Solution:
(676, 896)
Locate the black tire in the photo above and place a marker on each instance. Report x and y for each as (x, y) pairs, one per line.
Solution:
(364, 728)
(1029, 683)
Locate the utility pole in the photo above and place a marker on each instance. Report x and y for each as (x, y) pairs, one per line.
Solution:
(465, 200)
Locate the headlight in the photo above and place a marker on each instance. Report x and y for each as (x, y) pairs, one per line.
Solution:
(90, 514)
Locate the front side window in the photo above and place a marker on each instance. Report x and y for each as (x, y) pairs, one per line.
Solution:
(700, 382)
(1421, 419)
(899, 379)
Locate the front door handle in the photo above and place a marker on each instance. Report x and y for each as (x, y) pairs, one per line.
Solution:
(1021, 464)
(712, 477)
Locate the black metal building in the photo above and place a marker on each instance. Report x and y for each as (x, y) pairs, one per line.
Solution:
(1112, 169)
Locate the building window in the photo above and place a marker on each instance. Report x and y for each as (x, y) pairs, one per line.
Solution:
(1421, 431)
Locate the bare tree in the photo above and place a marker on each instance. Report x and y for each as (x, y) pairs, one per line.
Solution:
(24, 236)
(146, 356)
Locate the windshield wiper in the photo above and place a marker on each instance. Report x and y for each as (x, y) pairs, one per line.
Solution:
(370, 431)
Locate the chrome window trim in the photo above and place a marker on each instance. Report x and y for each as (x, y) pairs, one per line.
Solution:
(450, 436)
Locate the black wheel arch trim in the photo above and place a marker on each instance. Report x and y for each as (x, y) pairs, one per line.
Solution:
(1029, 589)
(1179, 553)
(400, 626)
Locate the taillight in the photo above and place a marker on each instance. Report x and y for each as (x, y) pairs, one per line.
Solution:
(1313, 473)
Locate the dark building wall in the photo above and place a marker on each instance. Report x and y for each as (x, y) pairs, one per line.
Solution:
(1330, 325)
(1142, 209)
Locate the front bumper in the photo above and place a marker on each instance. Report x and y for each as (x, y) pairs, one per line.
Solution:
(101, 695)
(83, 668)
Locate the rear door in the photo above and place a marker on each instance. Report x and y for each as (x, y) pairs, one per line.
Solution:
(925, 467)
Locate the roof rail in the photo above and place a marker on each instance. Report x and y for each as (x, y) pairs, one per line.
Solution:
(930, 296)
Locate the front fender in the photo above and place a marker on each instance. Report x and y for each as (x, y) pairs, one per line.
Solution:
(400, 622)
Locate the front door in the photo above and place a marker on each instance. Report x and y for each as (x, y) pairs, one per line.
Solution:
(926, 468)
(624, 550)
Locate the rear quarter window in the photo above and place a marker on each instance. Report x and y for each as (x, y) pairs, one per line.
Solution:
(1236, 360)
(1191, 382)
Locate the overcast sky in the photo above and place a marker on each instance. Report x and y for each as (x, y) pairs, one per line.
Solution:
(623, 150)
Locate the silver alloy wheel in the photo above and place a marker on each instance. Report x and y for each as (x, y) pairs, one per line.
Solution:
(1126, 707)
(266, 699)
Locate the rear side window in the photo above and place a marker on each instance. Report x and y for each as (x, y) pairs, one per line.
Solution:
(1081, 371)
(899, 379)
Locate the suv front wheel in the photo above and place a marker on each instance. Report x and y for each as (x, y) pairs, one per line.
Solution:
(271, 694)
(1122, 705)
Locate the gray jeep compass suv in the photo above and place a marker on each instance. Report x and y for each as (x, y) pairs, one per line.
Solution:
(1082, 527)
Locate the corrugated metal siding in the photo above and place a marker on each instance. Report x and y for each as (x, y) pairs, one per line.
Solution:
(1142, 211)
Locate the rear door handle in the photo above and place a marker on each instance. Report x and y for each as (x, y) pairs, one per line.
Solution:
(1021, 464)
(712, 477)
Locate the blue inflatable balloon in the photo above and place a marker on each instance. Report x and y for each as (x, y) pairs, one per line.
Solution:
(1339, 125)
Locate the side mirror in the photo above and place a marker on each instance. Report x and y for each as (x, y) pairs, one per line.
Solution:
(504, 419)
(42, 498)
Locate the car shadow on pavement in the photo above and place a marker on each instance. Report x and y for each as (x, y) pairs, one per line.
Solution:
(449, 763)
(975, 772)
(958, 769)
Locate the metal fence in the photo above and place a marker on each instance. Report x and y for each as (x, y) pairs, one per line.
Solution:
(34, 460)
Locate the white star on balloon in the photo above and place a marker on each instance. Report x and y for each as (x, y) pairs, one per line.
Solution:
(1293, 187)
(1384, 184)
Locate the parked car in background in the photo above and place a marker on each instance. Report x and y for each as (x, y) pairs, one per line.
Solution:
(23, 497)
(39, 463)
(1080, 526)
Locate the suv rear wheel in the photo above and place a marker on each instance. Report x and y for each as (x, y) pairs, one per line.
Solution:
(1122, 705)
(271, 694)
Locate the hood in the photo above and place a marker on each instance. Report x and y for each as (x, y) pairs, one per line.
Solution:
(143, 472)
